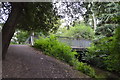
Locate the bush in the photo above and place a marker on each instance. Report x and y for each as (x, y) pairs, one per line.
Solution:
(101, 54)
(52, 47)
(78, 31)
(84, 68)
(19, 37)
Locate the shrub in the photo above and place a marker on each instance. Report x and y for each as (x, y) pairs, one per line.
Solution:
(101, 54)
(52, 47)
(78, 31)
(19, 37)
(84, 68)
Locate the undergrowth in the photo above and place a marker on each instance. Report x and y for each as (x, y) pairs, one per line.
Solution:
(52, 47)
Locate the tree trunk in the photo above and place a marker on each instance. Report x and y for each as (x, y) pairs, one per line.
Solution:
(32, 38)
(94, 22)
(94, 18)
(9, 27)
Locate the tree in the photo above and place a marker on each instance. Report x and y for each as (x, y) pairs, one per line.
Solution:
(79, 31)
(116, 42)
(105, 52)
(101, 14)
(70, 11)
(27, 16)
(20, 37)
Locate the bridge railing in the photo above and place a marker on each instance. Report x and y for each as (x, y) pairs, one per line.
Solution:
(75, 42)
(68, 40)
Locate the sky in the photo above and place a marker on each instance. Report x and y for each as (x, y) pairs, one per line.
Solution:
(65, 16)
(4, 16)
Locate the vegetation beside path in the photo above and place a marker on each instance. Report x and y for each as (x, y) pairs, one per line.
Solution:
(52, 47)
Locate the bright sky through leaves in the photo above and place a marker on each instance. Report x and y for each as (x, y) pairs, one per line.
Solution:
(65, 12)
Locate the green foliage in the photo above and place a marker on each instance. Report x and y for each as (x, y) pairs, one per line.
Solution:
(78, 31)
(61, 31)
(39, 17)
(105, 52)
(104, 13)
(20, 37)
(116, 42)
(102, 55)
(106, 30)
(84, 68)
(107, 25)
(52, 47)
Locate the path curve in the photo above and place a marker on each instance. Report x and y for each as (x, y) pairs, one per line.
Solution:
(22, 61)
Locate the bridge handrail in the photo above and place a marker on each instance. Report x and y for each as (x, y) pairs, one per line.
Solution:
(71, 38)
(75, 42)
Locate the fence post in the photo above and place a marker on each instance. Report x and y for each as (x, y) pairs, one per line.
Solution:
(32, 39)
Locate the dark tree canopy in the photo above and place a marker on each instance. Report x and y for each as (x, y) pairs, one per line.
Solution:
(26, 16)
(34, 16)
(38, 17)
(104, 13)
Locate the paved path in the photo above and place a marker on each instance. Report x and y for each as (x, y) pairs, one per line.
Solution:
(23, 61)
